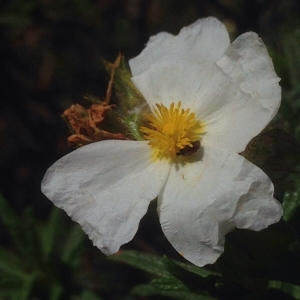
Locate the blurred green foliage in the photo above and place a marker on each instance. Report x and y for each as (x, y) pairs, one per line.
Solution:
(52, 53)
(43, 253)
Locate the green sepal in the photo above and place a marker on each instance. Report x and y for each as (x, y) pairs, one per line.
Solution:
(132, 123)
(128, 96)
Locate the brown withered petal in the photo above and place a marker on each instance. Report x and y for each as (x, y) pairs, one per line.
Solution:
(78, 140)
(105, 135)
(97, 112)
(77, 117)
(84, 122)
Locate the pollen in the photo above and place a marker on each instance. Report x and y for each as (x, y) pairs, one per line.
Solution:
(173, 131)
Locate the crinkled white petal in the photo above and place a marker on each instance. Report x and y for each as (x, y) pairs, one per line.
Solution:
(174, 80)
(243, 97)
(106, 187)
(204, 41)
(235, 98)
(204, 200)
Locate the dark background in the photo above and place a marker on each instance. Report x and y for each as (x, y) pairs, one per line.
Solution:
(51, 55)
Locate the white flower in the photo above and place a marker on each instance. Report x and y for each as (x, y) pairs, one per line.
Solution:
(208, 98)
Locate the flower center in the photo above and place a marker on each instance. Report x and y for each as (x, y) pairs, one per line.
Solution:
(173, 132)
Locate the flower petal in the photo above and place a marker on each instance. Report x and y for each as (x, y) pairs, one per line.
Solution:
(244, 97)
(205, 199)
(174, 80)
(106, 187)
(236, 97)
(204, 41)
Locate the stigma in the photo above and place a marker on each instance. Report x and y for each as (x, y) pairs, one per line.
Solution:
(172, 132)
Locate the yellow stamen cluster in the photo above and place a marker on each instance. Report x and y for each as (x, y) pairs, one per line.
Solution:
(171, 129)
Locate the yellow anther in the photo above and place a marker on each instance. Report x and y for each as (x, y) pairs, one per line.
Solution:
(171, 129)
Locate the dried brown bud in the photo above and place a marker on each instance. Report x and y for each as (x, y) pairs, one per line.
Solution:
(85, 123)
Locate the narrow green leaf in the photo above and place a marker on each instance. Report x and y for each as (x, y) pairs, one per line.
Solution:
(290, 289)
(87, 295)
(11, 260)
(24, 292)
(143, 261)
(12, 223)
(21, 230)
(162, 267)
(192, 268)
(149, 290)
(49, 234)
(290, 204)
(32, 244)
(8, 271)
(55, 292)
(9, 280)
(168, 284)
(291, 44)
(72, 249)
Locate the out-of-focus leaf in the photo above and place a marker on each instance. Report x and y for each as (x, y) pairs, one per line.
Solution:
(290, 289)
(25, 289)
(12, 223)
(162, 267)
(190, 268)
(49, 234)
(72, 248)
(87, 295)
(291, 44)
(6, 293)
(290, 204)
(143, 261)
(21, 230)
(32, 246)
(8, 274)
(168, 284)
(173, 275)
(192, 277)
(149, 290)
(11, 261)
(55, 292)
